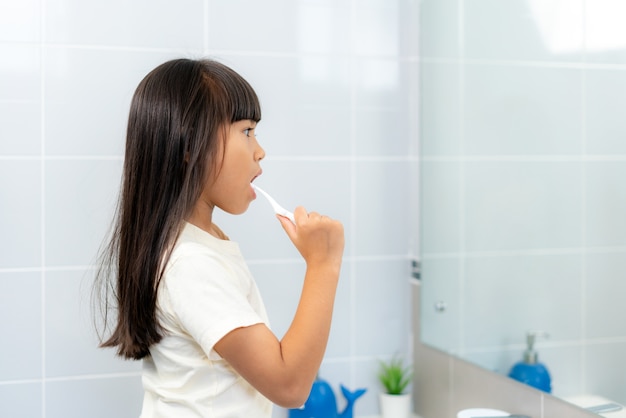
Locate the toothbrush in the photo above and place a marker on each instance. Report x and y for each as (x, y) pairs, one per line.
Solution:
(278, 209)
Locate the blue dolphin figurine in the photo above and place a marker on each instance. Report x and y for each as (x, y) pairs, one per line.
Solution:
(322, 404)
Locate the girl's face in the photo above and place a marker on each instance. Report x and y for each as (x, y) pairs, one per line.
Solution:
(240, 154)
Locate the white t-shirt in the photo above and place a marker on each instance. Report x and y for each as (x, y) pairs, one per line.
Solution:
(206, 292)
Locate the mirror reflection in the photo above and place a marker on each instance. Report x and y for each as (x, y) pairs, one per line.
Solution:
(523, 204)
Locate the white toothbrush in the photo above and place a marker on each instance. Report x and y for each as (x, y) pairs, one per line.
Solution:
(278, 209)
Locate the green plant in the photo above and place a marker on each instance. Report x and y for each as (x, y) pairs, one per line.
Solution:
(394, 376)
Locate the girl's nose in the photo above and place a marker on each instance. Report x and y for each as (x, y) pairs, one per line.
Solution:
(259, 154)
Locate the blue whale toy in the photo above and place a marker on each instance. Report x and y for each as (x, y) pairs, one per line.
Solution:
(322, 404)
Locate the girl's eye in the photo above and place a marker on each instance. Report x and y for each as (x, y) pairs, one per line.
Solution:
(247, 131)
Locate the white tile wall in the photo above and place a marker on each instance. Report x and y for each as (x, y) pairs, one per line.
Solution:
(523, 197)
(338, 83)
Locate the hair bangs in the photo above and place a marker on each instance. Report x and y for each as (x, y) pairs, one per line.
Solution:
(244, 103)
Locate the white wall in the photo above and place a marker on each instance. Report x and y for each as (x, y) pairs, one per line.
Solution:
(523, 139)
(338, 85)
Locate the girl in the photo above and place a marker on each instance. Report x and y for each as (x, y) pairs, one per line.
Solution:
(184, 300)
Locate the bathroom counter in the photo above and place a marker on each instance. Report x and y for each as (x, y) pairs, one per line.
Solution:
(380, 416)
(586, 401)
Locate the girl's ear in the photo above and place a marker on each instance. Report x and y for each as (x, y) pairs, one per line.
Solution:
(187, 157)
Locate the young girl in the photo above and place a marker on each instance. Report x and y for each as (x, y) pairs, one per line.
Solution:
(183, 297)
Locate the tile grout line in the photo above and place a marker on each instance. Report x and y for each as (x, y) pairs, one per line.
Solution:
(461, 176)
(583, 210)
(42, 117)
(205, 29)
(353, 192)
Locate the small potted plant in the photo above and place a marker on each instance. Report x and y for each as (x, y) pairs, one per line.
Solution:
(395, 377)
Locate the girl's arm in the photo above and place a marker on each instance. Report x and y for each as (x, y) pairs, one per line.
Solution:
(284, 370)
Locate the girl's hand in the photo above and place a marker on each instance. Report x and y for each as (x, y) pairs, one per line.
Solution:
(318, 238)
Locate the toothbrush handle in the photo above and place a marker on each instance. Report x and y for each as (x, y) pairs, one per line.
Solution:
(288, 215)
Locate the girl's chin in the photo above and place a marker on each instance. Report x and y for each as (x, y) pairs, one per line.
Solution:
(237, 211)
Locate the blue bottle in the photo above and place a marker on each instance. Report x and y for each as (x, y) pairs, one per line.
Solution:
(529, 370)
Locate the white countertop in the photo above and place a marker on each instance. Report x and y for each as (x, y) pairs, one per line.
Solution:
(379, 416)
(586, 401)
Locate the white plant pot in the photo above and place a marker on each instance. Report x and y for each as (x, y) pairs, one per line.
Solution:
(395, 406)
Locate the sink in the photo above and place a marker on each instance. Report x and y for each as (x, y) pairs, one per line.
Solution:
(481, 412)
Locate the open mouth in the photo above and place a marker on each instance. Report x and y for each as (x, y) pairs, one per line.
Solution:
(256, 176)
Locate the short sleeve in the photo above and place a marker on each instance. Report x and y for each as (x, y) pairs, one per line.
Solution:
(209, 297)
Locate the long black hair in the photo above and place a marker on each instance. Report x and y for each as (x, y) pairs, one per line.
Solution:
(174, 125)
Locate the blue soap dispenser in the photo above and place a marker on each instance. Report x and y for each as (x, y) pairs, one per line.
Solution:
(529, 370)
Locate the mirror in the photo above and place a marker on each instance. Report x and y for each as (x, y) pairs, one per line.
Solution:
(523, 198)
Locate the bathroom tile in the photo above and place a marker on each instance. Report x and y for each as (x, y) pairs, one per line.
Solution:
(381, 206)
(439, 28)
(524, 30)
(375, 25)
(321, 186)
(278, 412)
(20, 194)
(20, 99)
(305, 131)
(20, 128)
(381, 83)
(322, 27)
(313, 26)
(512, 205)
(80, 198)
(413, 107)
(304, 111)
(440, 109)
(337, 372)
(440, 284)
(144, 23)
(95, 398)
(387, 323)
(413, 223)
(604, 122)
(416, 309)
(21, 400)
(605, 204)
(440, 207)
(99, 128)
(71, 346)
(353, 374)
(497, 359)
(605, 35)
(285, 81)
(281, 306)
(604, 294)
(20, 21)
(522, 110)
(382, 132)
(342, 331)
(564, 363)
(20, 297)
(512, 284)
(409, 27)
(254, 26)
(20, 79)
(288, 277)
(605, 371)
(366, 376)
